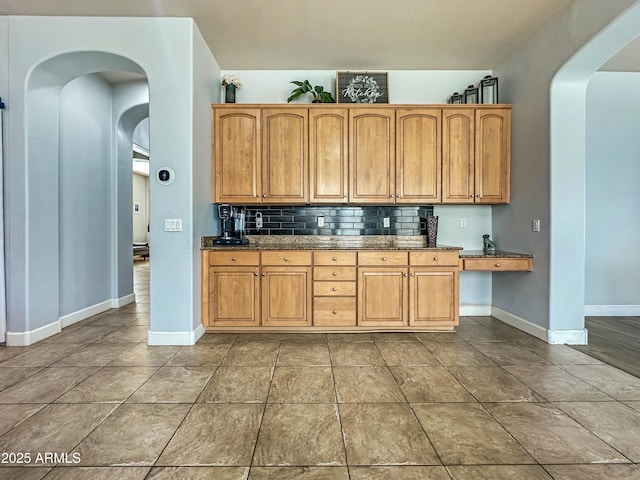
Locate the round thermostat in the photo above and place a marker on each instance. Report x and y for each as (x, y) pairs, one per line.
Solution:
(165, 175)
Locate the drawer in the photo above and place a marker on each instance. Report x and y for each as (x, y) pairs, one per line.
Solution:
(334, 258)
(286, 257)
(334, 289)
(234, 257)
(434, 258)
(334, 273)
(498, 264)
(382, 258)
(338, 311)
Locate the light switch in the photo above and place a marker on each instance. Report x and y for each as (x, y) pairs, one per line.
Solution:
(172, 224)
(535, 225)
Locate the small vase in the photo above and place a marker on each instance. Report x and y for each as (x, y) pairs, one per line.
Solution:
(432, 231)
(230, 93)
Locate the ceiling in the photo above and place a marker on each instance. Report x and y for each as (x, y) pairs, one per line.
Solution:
(339, 34)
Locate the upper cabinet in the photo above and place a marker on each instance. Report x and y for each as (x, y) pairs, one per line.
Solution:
(372, 155)
(418, 155)
(476, 155)
(361, 154)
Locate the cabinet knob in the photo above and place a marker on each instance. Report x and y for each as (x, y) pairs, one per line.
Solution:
(335, 312)
(255, 273)
(413, 274)
(256, 196)
(405, 274)
(334, 289)
(497, 264)
(286, 259)
(233, 259)
(264, 195)
(392, 195)
(334, 259)
(264, 274)
(471, 196)
(384, 259)
(344, 196)
(435, 259)
(477, 195)
(335, 274)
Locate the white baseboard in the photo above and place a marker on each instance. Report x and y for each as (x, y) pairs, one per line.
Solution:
(568, 337)
(520, 323)
(612, 310)
(475, 310)
(175, 338)
(23, 339)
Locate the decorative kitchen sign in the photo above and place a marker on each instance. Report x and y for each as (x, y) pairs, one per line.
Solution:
(362, 87)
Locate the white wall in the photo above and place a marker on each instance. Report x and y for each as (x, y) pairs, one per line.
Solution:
(612, 193)
(525, 81)
(163, 48)
(405, 86)
(4, 88)
(85, 208)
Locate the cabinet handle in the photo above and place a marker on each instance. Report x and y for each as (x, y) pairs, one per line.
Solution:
(334, 289)
(335, 312)
(233, 259)
(497, 264)
(334, 259)
(335, 274)
(384, 259)
(286, 259)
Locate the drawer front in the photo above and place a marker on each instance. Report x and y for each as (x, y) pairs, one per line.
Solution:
(233, 257)
(339, 311)
(498, 264)
(434, 258)
(334, 289)
(382, 258)
(334, 273)
(334, 258)
(286, 257)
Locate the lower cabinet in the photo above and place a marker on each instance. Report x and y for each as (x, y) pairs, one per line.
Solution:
(330, 289)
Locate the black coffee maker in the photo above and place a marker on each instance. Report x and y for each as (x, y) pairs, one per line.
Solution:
(232, 226)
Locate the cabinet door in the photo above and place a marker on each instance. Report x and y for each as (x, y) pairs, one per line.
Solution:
(371, 155)
(492, 172)
(286, 296)
(285, 156)
(328, 165)
(382, 296)
(418, 156)
(236, 155)
(234, 296)
(458, 156)
(433, 297)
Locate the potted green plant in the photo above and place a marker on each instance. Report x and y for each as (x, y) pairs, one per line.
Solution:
(318, 93)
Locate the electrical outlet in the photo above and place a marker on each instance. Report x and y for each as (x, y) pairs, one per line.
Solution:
(463, 222)
(321, 221)
(386, 222)
(535, 225)
(258, 220)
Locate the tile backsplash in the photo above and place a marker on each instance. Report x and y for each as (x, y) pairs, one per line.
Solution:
(338, 220)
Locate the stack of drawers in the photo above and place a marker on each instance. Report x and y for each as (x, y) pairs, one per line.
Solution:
(334, 288)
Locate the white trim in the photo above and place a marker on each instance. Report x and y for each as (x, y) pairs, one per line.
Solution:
(22, 339)
(520, 323)
(85, 313)
(175, 338)
(475, 310)
(568, 337)
(122, 301)
(612, 310)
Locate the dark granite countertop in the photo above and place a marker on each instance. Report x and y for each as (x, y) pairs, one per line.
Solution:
(496, 254)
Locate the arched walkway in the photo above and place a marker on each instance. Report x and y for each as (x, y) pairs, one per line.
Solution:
(567, 152)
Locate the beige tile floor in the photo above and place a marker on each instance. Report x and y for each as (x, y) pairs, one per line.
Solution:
(488, 402)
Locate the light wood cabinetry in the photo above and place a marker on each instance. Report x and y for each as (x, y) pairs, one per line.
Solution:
(360, 154)
(330, 290)
(328, 155)
(372, 155)
(285, 155)
(334, 289)
(498, 264)
(237, 155)
(418, 155)
(476, 155)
